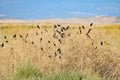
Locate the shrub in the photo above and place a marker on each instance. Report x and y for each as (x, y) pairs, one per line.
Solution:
(27, 71)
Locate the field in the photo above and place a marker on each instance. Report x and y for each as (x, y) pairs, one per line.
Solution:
(59, 52)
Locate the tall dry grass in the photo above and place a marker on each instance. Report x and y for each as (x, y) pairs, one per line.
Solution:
(100, 53)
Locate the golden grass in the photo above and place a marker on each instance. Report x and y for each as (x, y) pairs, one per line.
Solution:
(78, 52)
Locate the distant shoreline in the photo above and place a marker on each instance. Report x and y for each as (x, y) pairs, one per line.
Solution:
(95, 20)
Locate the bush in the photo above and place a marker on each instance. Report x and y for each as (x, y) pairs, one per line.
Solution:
(27, 71)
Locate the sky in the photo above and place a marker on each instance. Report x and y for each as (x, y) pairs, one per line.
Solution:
(45, 9)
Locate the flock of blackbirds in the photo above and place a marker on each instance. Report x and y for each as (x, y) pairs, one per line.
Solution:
(58, 34)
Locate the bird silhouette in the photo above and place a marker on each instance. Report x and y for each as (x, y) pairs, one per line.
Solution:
(6, 41)
(20, 36)
(80, 30)
(89, 30)
(38, 26)
(55, 54)
(67, 27)
(40, 39)
(59, 40)
(54, 44)
(101, 43)
(32, 42)
(14, 36)
(48, 41)
(58, 25)
(83, 27)
(2, 45)
(41, 48)
(59, 50)
(55, 26)
(5, 37)
(91, 24)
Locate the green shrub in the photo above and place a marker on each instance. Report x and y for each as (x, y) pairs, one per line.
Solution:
(64, 75)
(27, 71)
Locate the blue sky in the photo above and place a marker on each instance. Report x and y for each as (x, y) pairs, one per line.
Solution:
(43, 9)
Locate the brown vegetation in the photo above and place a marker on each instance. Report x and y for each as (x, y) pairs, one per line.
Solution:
(60, 47)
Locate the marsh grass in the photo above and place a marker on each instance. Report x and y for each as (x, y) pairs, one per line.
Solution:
(77, 53)
(27, 72)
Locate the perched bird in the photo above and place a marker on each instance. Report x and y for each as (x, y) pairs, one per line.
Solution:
(61, 36)
(89, 30)
(101, 43)
(6, 41)
(48, 41)
(14, 36)
(59, 50)
(83, 27)
(59, 40)
(80, 30)
(67, 27)
(5, 37)
(55, 26)
(49, 56)
(91, 24)
(63, 28)
(54, 44)
(41, 48)
(32, 42)
(55, 54)
(58, 31)
(38, 26)
(88, 36)
(2, 45)
(40, 39)
(58, 25)
(20, 35)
